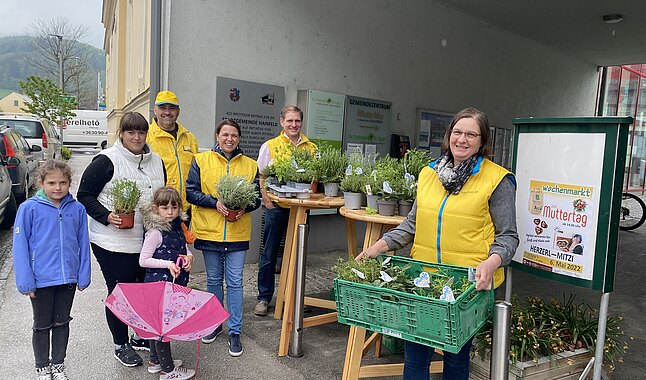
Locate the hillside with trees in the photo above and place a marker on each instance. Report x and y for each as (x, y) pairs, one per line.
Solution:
(17, 57)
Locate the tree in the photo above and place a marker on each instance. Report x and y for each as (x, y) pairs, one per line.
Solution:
(78, 76)
(47, 100)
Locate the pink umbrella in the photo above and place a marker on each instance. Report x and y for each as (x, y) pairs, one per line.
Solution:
(166, 311)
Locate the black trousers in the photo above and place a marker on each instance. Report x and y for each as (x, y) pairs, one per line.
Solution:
(117, 267)
(51, 309)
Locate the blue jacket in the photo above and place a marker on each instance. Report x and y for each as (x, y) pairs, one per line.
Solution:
(51, 245)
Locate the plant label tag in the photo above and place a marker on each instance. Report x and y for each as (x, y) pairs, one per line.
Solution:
(447, 294)
(472, 274)
(359, 273)
(368, 190)
(385, 276)
(386, 261)
(396, 334)
(423, 280)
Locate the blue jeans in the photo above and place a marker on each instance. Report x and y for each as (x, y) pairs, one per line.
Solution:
(417, 358)
(276, 220)
(227, 264)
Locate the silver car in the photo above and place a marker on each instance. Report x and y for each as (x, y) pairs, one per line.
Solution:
(36, 132)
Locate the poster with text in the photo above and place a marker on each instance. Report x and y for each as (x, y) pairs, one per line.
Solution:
(324, 117)
(367, 121)
(254, 106)
(557, 202)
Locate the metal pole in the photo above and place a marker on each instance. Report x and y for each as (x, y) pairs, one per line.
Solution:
(508, 284)
(601, 336)
(296, 346)
(499, 367)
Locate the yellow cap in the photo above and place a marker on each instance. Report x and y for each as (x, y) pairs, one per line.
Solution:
(166, 97)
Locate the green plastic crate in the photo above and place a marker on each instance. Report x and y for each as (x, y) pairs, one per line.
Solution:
(392, 344)
(432, 322)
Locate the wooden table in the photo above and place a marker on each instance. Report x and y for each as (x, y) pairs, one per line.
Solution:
(285, 295)
(357, 343)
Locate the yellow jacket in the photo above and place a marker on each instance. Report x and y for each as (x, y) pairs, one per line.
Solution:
(457, 229)
(208, 223)
(177, 154)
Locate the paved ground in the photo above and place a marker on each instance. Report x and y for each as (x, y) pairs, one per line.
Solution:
(90, 350)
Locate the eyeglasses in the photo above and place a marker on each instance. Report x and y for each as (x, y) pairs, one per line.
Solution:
(469, 135)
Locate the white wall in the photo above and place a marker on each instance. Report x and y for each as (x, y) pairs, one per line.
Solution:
(414, 53)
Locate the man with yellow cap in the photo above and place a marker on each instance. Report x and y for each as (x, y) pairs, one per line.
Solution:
(174, 143)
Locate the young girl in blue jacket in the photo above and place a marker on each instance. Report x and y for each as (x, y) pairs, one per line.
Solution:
(51, 258)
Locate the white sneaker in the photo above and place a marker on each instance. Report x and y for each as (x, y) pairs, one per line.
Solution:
(156, 368)
(179, 373)
(44, 373)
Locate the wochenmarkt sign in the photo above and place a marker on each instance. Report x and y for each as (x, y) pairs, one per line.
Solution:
(569, 173)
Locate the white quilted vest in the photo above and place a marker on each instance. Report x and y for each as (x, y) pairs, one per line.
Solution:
(147, 170)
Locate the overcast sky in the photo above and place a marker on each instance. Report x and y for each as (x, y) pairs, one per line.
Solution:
(18, 15)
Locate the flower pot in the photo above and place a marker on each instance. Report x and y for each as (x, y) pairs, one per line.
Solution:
(405, 207)
(566, 365)
(352, 201)
(331, 189)
(372, 201)
(302, 186)
(232, 215)
(386, 208)
(127, 221)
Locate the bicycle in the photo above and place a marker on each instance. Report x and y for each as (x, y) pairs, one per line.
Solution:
(633, 212)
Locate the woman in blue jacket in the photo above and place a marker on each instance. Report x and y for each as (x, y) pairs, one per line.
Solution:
(51, 258)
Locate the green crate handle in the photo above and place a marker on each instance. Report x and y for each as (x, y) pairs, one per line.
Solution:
(389, 298)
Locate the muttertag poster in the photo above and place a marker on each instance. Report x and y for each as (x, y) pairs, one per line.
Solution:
(557, 233)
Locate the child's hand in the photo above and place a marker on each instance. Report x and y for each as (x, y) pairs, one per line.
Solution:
(188, 262)
(174, 269)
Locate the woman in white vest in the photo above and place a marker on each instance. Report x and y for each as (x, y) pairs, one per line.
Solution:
(465, 211)
(117, 250)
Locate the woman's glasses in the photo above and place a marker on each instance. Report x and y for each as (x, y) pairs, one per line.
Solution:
(469, 135)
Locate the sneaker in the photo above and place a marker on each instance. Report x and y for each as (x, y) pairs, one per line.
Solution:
(44, 373)
(58, 372)
(156, 367)
(178, 373)
(261, 309)
(139, 344)
(127, 356)
(235, 346)
(212, 336)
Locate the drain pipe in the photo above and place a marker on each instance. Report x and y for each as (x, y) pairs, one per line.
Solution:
(155, 54)
(296, 346)
(499, 367)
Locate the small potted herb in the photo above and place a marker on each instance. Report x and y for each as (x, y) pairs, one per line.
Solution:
(353, 182)
(124, 197)
(330, 168)
(236, 193)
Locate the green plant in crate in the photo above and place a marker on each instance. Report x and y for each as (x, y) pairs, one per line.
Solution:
(543, 329)
(124, 196)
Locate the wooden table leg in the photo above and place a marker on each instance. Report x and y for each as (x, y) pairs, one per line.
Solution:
(284, 268)
(353, 353)
(300, 217)
(351, 236)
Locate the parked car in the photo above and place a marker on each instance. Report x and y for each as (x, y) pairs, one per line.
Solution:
(36, 131)
(22, 161)
(8, 206)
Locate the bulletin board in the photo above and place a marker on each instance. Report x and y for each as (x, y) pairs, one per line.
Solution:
(431, 126)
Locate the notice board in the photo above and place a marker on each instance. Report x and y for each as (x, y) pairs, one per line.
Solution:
(569, 173)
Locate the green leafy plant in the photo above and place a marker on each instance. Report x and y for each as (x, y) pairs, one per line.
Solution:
(47, 100)
(236, 192)
(66, 153)
(543, 329)
(124, 196)
(330, 165)
(354, 178)
(389, 170)
(292, 165)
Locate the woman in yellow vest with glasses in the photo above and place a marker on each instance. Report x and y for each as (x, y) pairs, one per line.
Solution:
(465, 209)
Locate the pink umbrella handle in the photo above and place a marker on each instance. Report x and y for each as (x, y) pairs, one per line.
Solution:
(179, 261)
